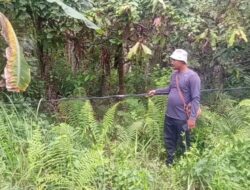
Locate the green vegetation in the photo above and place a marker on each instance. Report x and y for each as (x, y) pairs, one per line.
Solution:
(122, 151)
(103, 47)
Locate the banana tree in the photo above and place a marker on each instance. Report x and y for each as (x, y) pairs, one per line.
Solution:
(16, 75)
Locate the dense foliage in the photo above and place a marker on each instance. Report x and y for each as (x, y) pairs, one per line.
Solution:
(122, 151)
(118, 53)
(96, 48)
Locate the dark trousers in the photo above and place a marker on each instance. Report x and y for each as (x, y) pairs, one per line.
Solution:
(176, 134)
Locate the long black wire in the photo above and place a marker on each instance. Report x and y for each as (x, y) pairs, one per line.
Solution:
(125, 95)
(134, 95)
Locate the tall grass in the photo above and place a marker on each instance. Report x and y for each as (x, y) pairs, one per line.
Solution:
(123, 151)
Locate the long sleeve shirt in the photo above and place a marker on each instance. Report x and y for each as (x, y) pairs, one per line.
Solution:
(189, 83)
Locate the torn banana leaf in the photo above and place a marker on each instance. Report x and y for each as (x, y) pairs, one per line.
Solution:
(17, 71)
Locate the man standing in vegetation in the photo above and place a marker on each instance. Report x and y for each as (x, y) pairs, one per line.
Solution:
(183, 92)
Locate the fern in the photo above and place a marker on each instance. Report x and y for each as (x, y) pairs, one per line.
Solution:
(69, 112)
(88, 123)
(80, 115)
(128, 142)
(127, 134)
(36, 147)
(35, 152)
(64, 165)
(244, 107)
(152, 115)
(156, 111)
(34, 155)
(54, 181)
(85, 166)
(108, 122)
(55, 161)
(3, 171)
(87, 116)
(154, 125)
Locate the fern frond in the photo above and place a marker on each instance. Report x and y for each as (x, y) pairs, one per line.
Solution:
(154, 120)
(127, 134)
(87, 116)
(85, 166)
(108, 122)
(88, 122)
(156, 111)
(36, 147)
(69, 112)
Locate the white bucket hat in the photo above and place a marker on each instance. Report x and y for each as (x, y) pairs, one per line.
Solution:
(180, 55)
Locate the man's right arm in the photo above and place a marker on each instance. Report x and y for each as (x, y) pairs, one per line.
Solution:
(159, 91)
(162, 91)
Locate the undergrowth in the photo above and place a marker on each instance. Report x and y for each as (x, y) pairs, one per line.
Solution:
(122, 151)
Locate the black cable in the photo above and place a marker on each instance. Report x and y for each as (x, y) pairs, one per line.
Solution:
(136, 95)
(129, 95)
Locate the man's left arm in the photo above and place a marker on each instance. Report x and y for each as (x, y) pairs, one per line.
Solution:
(195, 86)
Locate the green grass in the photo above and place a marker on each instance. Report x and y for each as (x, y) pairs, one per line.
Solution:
(123, 151)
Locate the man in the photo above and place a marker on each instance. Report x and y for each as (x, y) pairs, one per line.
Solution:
(184, 86)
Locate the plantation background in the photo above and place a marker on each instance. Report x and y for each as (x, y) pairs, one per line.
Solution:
(79, 48)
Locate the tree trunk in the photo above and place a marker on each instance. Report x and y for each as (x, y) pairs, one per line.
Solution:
(74, 51)
(40, 54)
(218, 76)
(105, 65)
(119, 63)
(39, 44)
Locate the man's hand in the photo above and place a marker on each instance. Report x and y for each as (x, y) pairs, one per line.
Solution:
(191, 123)
(151, 93)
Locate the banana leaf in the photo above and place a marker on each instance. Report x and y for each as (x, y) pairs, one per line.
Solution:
(75, 14)
(17, 71)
